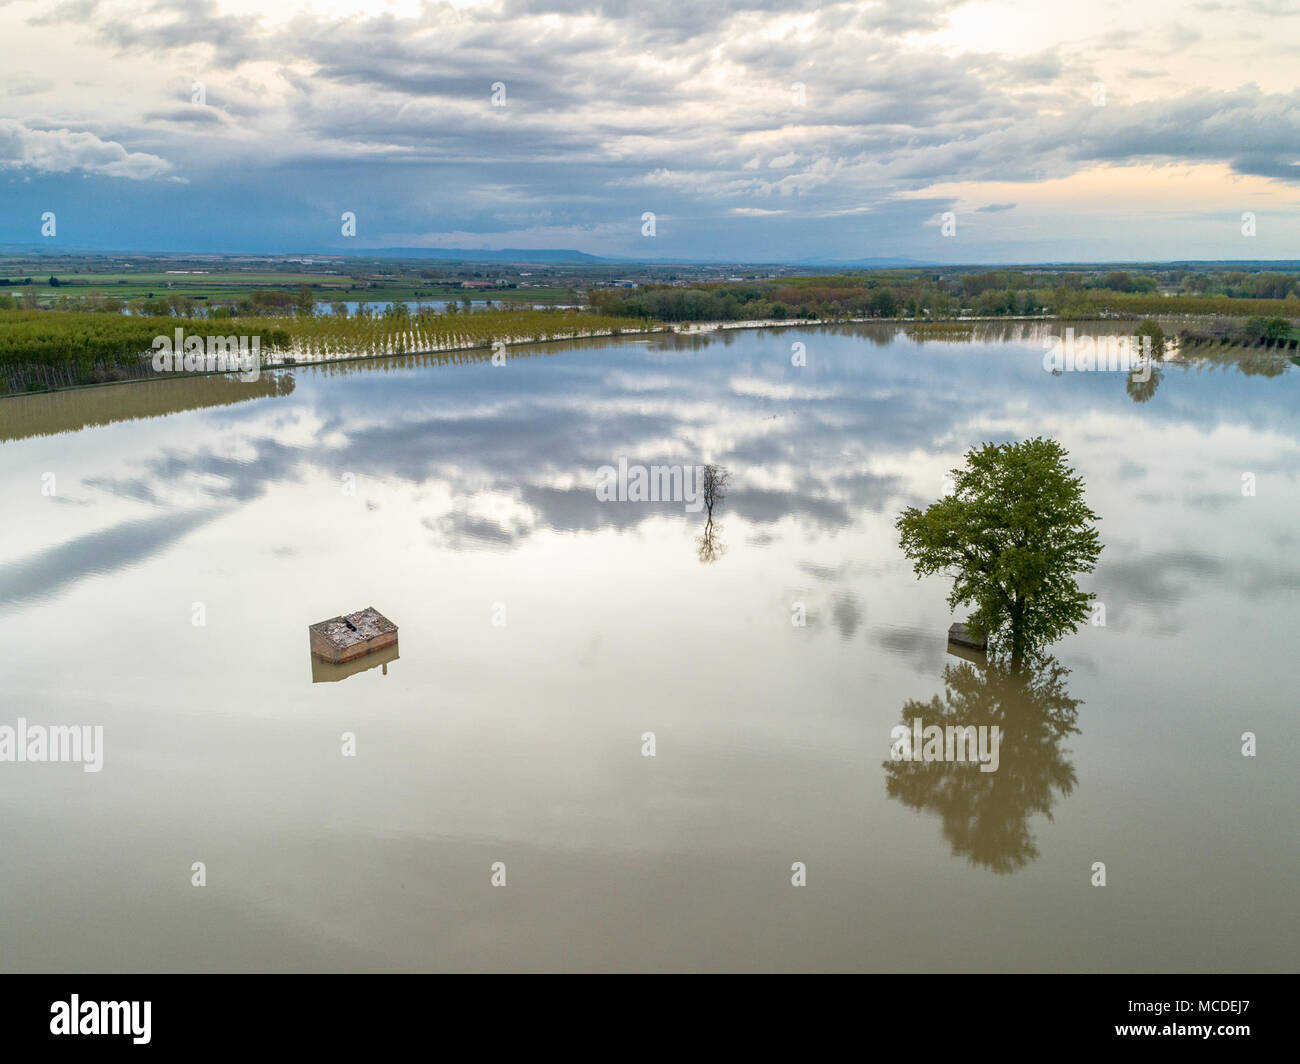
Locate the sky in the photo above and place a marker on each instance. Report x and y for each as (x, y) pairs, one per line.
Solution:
(751, 131)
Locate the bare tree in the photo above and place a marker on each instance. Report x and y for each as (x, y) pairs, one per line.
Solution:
(714, 486)
(715, 480)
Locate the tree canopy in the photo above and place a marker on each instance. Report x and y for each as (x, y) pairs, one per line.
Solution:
(1013, 534)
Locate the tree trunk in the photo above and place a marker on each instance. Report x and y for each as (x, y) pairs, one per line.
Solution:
(1017, 635)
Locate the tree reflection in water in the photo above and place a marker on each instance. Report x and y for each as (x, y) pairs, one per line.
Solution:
(985, 815)
(709, 547)
(1142, 387)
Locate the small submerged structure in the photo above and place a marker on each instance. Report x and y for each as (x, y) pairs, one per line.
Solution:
(963, 644)
(352, 636)
(323, 671)
(962, 636)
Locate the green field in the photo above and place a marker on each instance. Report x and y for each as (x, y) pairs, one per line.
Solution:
(228, 286)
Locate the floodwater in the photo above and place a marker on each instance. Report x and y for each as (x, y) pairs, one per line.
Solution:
(415, 306)
(326, 306)
(166, 545)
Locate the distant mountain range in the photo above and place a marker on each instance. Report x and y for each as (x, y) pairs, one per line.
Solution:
(518, 255)
(568, 256)
(555, 255)
(864, 264)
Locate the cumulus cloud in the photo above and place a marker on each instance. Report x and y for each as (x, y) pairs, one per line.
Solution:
(65, 150)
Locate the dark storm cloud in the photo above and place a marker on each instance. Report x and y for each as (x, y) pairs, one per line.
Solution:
(234, 39)
(201, 116)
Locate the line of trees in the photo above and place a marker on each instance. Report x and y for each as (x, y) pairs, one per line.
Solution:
(1258, 331)
(1006, 293)
(39, 349)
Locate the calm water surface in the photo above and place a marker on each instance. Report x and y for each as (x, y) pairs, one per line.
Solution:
(472, 500)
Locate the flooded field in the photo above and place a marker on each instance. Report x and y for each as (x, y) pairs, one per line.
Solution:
(166, 546)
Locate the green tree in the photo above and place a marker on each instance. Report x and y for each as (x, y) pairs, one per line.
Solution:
(1150, 327)
(1271, 330)
(1013, 534)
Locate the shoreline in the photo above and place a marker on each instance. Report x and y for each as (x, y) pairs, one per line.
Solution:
(279, 365)
(678, 329)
